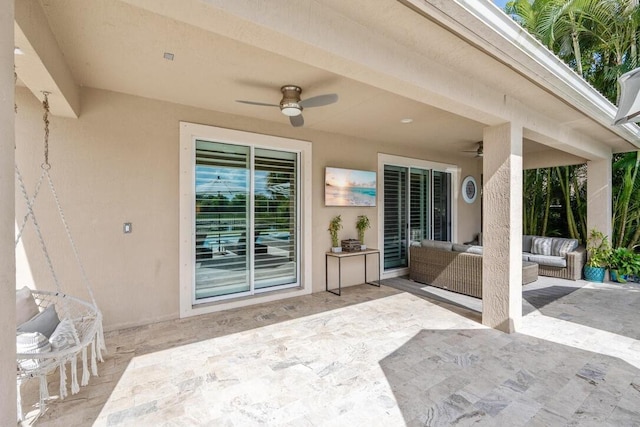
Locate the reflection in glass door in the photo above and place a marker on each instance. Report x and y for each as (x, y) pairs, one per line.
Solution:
(419, 214)
(441, 206)
(275, 239)
(221, 219)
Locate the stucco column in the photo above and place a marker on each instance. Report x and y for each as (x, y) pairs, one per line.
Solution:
(599, 205)
(502, 227)
(7, 220)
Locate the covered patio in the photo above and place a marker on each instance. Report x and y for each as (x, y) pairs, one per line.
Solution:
(151, 100)
(375, 356)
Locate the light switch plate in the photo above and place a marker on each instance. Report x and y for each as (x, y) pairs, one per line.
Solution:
(126, 228)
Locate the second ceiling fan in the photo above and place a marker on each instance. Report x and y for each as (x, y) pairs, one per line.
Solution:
(478, 151)
(291, 105)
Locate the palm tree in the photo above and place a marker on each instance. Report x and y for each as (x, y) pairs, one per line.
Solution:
(599, 39)
(563, 26)
(616, 25)
(626, 200)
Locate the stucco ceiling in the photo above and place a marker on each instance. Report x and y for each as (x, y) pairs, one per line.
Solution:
(115, 46)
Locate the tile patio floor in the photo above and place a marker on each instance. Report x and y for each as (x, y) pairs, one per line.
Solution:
(373, 357)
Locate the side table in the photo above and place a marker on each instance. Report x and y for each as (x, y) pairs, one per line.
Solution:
(340, 256)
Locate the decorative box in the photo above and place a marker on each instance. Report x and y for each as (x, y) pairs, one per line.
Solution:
(350, 245)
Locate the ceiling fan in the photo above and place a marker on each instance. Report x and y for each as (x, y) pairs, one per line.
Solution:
(478, 150)
(292, 106)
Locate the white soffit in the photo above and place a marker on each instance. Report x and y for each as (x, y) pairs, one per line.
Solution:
(487, 27)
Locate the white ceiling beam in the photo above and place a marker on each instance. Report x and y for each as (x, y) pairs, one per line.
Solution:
(42, 67)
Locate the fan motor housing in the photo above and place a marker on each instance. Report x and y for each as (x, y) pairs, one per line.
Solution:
(290, 104)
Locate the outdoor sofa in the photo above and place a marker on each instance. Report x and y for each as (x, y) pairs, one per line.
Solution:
(458, 267)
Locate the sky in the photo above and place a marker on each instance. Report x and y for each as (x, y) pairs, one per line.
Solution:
(500, 3)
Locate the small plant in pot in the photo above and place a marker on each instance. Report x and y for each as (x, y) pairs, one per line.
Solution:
(362, 224)
(598, 252)
(623, 262)
(335, 225)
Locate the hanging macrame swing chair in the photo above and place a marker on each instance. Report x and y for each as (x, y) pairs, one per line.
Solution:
(80, 321)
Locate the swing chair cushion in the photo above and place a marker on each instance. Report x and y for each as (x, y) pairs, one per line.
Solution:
(65, 336)
(31, 343)
(26, 307)
(44, 322)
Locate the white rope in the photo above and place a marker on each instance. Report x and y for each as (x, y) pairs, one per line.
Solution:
(94, 366)
(74, 375)
(102, 346)
(31, 213)
(30, 202)
(19, 401)
(85, 368)
(44, 388)
(63, 380)
(83, 272)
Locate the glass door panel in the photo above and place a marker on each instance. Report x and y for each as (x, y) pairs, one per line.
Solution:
(275, 240)
(441, 206)
(420, 203)
(221, 219)
(395, 217)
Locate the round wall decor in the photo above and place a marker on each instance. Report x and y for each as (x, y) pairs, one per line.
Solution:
(469, 189)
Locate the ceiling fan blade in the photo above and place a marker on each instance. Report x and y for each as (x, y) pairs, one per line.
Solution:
(263, 104)
(296, 121)
(319, 101)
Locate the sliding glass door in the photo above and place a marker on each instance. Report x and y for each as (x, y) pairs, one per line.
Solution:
(417, 206)
(246, 216)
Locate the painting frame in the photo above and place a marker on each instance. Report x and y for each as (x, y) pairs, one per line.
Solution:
(350, 187)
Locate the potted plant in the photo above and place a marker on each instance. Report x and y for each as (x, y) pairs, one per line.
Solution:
(598, 252)
(334, 226)
(362, 224)
(622, 263)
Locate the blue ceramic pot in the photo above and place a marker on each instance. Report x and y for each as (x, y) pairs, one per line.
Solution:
(594, 274)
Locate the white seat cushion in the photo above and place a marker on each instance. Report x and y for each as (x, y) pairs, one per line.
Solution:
(548, 260)
(44, 322)
(26, 306)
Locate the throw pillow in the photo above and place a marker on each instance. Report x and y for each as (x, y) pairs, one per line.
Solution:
(26, 306)
(561, 247)
(541, 245)
(65, 336)
(45, 322)
(31, 343)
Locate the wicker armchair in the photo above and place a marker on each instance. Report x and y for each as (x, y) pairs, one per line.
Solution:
(455, 271)
(573, 270)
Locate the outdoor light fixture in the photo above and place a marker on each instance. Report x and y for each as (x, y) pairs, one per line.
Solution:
(17, 51)
(291, 109)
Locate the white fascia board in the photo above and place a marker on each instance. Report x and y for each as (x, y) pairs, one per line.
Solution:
(487, 27)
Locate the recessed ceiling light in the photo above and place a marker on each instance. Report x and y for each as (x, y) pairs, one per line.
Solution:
(17, 51)
(406, 121)
(168, 56)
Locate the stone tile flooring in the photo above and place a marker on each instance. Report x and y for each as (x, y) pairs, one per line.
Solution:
(375, 356)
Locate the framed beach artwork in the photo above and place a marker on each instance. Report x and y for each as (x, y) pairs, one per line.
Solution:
(349, 187)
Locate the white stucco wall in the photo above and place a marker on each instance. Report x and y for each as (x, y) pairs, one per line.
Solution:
(119, 162)
(7, 265)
